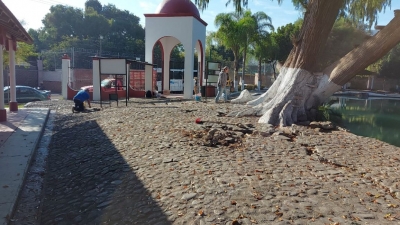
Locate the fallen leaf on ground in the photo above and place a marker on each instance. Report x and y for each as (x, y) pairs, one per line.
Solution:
(201, 213)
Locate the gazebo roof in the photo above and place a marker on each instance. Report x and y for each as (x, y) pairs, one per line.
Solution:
(178, 7)
(11, 27)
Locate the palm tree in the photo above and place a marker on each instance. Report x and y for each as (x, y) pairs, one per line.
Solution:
(263, 49)
(249, 29)
(260, 38)
(229, 34)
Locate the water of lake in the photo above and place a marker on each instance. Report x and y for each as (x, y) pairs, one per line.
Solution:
(377, 118)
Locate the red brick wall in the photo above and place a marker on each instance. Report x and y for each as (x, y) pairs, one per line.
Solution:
(81, 77)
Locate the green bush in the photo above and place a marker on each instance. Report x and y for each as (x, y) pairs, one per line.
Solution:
(250, 87)
(325, 113)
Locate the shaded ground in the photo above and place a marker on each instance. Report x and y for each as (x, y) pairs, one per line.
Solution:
(149, 163)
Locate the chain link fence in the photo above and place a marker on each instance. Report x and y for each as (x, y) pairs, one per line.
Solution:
(81, 58)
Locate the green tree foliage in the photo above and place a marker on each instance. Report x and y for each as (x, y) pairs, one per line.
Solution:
(283, 38)
(343, 38)
(63, 21)
(66, 27)
(255, 27)
(260, 40)
(230, 34)
(357, 10)
(25, 54)
(94, 4)
(390, 64)
(95, 23)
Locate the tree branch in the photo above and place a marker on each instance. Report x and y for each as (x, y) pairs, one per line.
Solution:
(367, 53)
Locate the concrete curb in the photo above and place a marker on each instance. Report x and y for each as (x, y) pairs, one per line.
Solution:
(17, 154)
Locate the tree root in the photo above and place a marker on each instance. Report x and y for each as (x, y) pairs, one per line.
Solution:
(244, 97)
(285, 116)
(285, 102)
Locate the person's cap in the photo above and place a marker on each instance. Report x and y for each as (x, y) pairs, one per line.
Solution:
(86, 89)
(225, 67)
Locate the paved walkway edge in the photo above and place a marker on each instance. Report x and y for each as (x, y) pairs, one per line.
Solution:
(18, 152)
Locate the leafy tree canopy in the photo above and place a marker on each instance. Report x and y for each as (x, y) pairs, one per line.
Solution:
(390, 64)
(357, 10)
(115, 31)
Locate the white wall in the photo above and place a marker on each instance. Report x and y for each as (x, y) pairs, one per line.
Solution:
(52, 75)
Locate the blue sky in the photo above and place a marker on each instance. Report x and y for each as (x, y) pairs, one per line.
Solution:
(33, 11)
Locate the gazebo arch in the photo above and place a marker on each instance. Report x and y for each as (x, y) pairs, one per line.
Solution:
(11, 31)
(176, 21)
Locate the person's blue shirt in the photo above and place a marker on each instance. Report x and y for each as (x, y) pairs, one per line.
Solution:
(82, 96)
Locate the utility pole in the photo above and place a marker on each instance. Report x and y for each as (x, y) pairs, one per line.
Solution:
(101, 38)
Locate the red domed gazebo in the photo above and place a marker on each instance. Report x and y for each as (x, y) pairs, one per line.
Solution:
(174, 22)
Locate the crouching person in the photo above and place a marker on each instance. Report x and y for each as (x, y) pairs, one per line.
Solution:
(80, 98)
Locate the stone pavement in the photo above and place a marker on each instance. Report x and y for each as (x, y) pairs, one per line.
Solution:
(150, 163)
(19, 136)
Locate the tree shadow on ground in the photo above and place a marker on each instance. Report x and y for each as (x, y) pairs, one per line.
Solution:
(89, 182)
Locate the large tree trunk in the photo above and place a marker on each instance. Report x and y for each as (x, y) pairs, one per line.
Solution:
(298, 91)
(259, 73)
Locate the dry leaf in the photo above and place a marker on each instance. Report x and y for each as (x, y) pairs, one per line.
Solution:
(201, 212)
(387, 216)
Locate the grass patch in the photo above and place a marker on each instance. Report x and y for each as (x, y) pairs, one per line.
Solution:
(20, 105)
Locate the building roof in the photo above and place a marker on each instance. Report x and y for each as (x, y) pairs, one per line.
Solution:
(178, 7)
(11, 27)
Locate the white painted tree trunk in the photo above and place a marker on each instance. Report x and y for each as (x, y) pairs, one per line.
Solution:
(296, 94)
(290, 98)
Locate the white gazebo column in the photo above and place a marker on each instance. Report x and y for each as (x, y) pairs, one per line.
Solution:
(148, 70)
(148, 79)
(65, 75)
(3, 112)
(188, 75)
(96, 79)
(12, 47)
(166, 69)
